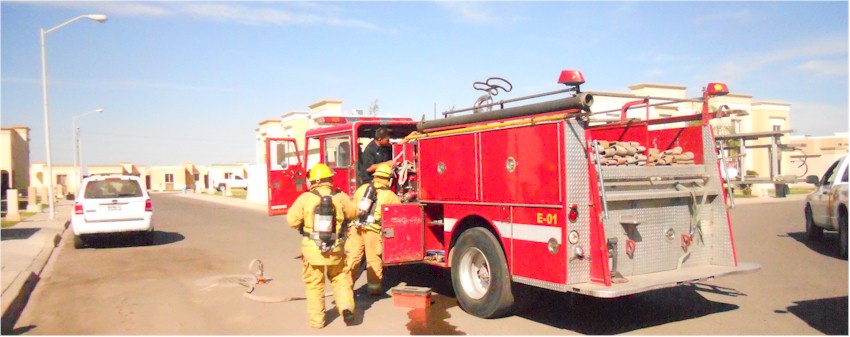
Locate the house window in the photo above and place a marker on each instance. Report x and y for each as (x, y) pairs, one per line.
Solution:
(169, 177)
(777, 127)
(196, 177)
(228, 175)
(61, 179)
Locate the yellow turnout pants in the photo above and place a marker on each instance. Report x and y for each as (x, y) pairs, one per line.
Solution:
(314, 279)
(360, 240)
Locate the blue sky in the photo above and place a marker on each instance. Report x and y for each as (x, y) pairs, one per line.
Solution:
(190, 81)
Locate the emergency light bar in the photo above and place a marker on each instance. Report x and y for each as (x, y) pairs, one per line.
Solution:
(717, 89)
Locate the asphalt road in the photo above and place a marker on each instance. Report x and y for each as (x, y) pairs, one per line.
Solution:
(184, 285)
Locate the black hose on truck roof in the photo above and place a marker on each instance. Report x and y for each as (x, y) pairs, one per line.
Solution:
(581, 101)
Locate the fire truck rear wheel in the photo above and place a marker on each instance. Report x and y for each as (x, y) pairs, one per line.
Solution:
(480, 275)
(813, 232)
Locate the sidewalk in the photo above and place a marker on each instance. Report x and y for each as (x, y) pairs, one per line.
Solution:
(26, 248)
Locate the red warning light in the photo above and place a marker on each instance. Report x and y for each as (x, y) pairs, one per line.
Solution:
(571, 77)
(717, 89)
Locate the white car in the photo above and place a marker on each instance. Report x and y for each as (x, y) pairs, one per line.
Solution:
(826, 207)
(112, 204)
(235, 182)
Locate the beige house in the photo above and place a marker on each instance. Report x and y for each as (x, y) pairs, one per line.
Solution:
(103, 170)
(818, 153)
(15, 161)
(171, 178)
(65, 179)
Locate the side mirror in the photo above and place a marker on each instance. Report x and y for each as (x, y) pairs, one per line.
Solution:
(814, 180)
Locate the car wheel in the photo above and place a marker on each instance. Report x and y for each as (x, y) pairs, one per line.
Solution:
(813, 232)
(220, 187)
(79, 243)
(842, 233)
(480, 275)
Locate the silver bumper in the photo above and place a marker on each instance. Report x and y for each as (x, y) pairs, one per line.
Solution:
(660, 280)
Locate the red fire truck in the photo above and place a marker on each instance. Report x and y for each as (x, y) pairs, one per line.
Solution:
(525, 194)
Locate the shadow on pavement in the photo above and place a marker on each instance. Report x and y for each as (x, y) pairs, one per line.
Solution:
(590, 315)
(22, 330)
(580, 313)
(827, 315)
(17, 233)
(826, 245)
(119, 240)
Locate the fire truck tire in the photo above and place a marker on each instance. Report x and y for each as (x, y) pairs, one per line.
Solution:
(480, 275)
(813, 232)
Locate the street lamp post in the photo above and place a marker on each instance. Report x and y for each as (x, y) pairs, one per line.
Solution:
(51, 197)
(76, 144)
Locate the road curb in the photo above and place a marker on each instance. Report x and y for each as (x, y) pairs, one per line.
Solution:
(23, 286)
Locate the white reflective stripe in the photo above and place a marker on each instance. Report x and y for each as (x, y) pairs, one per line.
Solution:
(449, 224)
(504, 228)
(536, 233)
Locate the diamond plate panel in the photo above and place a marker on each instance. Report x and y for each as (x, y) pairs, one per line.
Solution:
(723, 254)
(578, 270)
(654, 252)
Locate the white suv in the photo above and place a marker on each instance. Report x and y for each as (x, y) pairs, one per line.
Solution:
(112, 204)
(826, 207)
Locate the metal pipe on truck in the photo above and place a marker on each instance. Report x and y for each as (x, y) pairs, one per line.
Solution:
(581, 101)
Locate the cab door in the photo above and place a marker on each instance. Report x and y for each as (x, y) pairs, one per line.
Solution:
(287, 178)
(820, 203)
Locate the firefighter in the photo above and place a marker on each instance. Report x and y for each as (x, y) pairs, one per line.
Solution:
(379, 151)
(319, 215)
(365, 235)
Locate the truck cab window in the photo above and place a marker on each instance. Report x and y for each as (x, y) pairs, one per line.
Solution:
(338, 152)
(829, 176)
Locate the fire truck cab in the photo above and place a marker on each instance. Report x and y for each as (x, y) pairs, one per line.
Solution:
(541, 194)
(338, 144)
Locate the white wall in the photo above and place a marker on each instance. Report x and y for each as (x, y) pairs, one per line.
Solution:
(257, 184)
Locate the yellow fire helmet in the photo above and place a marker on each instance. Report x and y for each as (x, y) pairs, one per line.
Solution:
(320, 171)
(383, 171)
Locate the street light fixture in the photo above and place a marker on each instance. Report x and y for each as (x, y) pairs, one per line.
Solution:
(51, 197)
(77, 161)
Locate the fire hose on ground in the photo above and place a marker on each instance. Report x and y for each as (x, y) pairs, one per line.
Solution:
(256, 277)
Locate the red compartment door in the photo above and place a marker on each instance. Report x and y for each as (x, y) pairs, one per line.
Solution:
(403, 234)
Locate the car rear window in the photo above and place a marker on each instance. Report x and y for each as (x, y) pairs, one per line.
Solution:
(113, 189)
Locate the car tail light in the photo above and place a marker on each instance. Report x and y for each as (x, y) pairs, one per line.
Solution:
(78, 208)
(148, 206)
